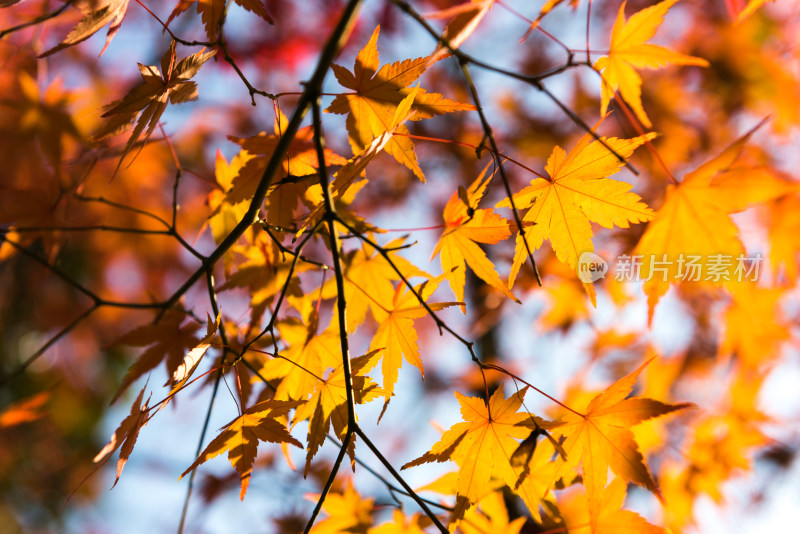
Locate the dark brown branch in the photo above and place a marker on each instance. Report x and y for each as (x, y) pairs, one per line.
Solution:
(401, 480)
(487, 130)
(328, 483)
(313, 87)
(440, 324)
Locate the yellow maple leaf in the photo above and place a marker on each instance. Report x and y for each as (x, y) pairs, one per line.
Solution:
(240, 437)
(490, 516)
(396, 337)
(369, 280)
(347, 512)
(370, 108)
(300, 160)
(694, 223)
(465, 226)
(484, 446)
(574, 510)
(308, 354)
(577, 193)
(601, 439)
(328, 404)
(401, 524)
(629, 50)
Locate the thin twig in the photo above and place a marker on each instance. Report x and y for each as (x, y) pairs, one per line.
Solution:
(50, 342)
(533, 80)
(487, 129)
(33, 22)
(401, 480)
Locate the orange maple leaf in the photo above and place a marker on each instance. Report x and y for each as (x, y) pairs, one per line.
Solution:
(125, 435)
(24, 411)
(695, 221)
(212, 11)
(96, 15)
(347, 512)
(240, 437)
(465, 226)
(370, 108)
(166, 340)
(308, 355)
(148, 100)
(601, 439)
(466, 19)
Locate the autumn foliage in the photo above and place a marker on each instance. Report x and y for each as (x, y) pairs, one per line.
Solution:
(473, 266)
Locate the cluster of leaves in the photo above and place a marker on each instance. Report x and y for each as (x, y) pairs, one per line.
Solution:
(327, 309)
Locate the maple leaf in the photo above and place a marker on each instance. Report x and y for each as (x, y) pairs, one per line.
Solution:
(307, 356)
(574, 510)
(45, 116)
(465, 226)
(544, 11)
(212, 11)
(264, 276)
(225, 215)
(96, 15)
(149, 100)
(577, 193)
(369, 280)
(466, 19)
(166, 340)
(629, 50)
(240, 437)
(370, 108)
(328, 404)
(490, 515)
(401, 524)
(754, 328)
(356, 166)
(125, 435)
(347, 512)
(24, 411)
(300, 160)
(186, 369)
(601, 439)
(483, 446)
(396, 337)
(784, 226)
(695, 218)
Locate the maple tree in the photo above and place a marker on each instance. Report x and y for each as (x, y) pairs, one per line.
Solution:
(608, 186)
